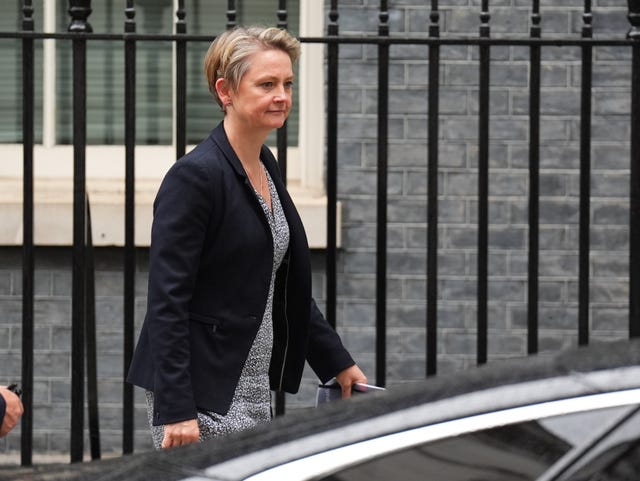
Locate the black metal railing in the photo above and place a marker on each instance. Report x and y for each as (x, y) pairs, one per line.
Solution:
(585, 179)
(83, 326)
(28, 263)
(432, 193)
(129, 208)
(483, 183)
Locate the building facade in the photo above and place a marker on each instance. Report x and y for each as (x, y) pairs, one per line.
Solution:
(406, 282)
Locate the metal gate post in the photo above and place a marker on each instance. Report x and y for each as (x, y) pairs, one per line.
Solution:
(26, 441)
(79, 10)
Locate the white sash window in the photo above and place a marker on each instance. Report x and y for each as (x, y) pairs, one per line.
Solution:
(155, 112)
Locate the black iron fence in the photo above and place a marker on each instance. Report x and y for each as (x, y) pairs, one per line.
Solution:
(83, 316)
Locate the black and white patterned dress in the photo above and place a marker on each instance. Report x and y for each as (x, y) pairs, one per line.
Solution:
(251, 402)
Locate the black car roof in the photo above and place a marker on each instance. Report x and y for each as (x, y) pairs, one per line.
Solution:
(190, 460)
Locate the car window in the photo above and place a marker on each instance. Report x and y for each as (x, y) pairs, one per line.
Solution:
(518, 452)
(613, 456)
(513, 453)
(618, 463)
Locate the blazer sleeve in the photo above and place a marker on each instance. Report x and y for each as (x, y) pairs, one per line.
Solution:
(326, 354)
(181, 214)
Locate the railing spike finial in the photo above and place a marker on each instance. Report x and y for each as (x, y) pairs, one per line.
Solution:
(79, 10)
(587, 19)
(231, 14)
(332, 29)
(485, 16)
(383, 16)
(181, 13)
(130, 15)
(27, 15)
(536, 31)
(282, 14)
(634, 19)
(434, 16)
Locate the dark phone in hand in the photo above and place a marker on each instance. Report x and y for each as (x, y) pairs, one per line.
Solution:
(17, 390)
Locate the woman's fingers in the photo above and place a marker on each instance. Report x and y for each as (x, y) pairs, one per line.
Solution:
(348, 378)
(181, 433)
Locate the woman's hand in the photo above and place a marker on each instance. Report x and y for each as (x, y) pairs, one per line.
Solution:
(181, 433)
(348, 378)
(13, 411)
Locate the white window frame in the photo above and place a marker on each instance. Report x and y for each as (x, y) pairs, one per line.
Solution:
(53, 163)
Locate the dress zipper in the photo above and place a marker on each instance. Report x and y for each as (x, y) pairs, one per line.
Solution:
(286, 322)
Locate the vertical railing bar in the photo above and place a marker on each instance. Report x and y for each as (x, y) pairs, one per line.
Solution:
(181, 82)
(28, 262)
(281, 136)
(381, 247)
(634, 210)
(585, 179)
(91, 343)
(79, 11)
(483, 186)
(282, 163)
(129, 224)
(432, 195)
(109, 98)
(332, 162)
(534, 183)
(231, 14)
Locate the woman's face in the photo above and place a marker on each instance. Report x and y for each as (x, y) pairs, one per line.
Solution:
(262, 100)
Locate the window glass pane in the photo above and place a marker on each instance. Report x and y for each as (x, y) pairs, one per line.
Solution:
(154, 70)
(64, 77)
(154, 74)
(11, 75)
(105, 76)
(204, 17)
(208, 17)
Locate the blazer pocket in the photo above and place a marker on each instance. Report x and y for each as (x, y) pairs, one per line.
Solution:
(218, 343)
(212, 323)
(229, 325)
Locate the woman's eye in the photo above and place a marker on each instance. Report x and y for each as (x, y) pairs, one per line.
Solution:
(267, 84)
(288, 85)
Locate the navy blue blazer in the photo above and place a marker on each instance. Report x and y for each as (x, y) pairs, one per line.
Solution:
(210, 264)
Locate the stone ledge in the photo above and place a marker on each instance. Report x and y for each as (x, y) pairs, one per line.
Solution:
(53, 212)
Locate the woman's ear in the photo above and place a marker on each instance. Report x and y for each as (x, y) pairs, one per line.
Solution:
(223, 91)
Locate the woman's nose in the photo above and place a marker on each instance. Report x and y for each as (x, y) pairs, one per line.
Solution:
(280, 94)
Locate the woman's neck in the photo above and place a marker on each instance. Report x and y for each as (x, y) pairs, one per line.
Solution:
(246, 145)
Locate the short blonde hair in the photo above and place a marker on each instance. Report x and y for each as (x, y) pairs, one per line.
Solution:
(228, 55)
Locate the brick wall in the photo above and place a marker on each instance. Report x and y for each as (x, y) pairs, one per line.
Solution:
(52, 346)
(457, 178)
(406, 283)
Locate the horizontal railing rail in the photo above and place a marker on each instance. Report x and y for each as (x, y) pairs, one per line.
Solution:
(559, 41)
